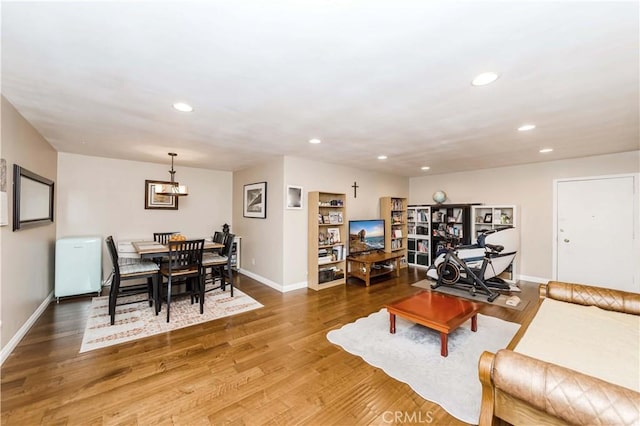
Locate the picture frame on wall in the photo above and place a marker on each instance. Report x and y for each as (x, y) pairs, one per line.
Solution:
(153, 201)
(294, 197)
(255, 200)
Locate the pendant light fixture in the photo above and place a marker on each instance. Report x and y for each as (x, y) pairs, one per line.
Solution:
(172, 189)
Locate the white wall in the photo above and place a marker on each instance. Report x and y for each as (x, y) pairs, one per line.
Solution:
(262, 239)
(278, 244)
(530, 187)
(27, 254)
(104, 196)
(318, 176)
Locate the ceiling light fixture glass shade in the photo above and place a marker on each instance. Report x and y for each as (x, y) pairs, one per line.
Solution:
(173, 189)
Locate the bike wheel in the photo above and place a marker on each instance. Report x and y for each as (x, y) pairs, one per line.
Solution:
(449, 272)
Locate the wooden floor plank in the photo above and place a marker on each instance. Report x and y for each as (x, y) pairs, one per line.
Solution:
(273, 365)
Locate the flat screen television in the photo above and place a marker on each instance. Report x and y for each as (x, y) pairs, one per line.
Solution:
(366, 235)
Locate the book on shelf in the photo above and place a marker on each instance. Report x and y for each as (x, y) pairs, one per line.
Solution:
(338, 252)
(396, 218)
(396, 233)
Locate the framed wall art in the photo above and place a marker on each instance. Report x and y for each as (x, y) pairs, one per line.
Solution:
(255, 200)
(157, 201)
(294, 197)
(32, 199)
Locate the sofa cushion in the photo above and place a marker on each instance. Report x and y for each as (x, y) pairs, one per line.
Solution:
(594, 341)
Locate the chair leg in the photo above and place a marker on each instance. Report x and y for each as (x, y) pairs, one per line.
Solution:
(150, 290)
(230, 279)
(201, 286)
(156, 292)
(223, 284)
(113, 296)
(168, 296)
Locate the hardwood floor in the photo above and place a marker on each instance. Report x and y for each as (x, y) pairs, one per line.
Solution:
(273, 365)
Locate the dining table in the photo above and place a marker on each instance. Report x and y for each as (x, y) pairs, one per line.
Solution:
(154, 249)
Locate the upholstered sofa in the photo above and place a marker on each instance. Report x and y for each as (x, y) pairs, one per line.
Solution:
(576, 362)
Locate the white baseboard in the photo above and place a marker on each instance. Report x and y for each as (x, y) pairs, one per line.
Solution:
(295, 286)
(11, 345)
(273, 284)
(534, 279)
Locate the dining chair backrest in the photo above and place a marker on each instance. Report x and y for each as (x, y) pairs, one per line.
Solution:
(185, 255)
(218, 237)
(113, 253)
(163, 237)
(228, 245)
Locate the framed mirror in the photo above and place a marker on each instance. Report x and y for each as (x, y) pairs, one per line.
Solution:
(32, 199)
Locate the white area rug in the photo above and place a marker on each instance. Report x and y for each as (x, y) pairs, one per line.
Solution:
(412, 356)
(137, 320)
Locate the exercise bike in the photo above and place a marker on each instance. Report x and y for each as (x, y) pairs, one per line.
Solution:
(476, 267)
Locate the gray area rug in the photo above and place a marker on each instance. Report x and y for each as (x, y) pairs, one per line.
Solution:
(464, 294)
(412, 356)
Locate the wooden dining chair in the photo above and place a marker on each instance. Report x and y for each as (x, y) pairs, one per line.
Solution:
(220, 265)
(163, 237)
(129, 269)
(184, 263)
(218, 237)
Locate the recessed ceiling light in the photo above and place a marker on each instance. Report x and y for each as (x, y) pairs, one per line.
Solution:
(526, 127)
(546, 150)
(382, 157)
(182, 107)
(425, 168)
(484, 78)
(314, 141)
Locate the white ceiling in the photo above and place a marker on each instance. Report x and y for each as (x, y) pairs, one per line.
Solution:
(367, 77)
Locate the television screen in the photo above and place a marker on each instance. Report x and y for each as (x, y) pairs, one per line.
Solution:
(366, 235)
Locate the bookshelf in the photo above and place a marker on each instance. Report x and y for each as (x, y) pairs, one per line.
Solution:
(489, 217)
(450, 225)
(327, 240)
(419, 235)
(394, 212)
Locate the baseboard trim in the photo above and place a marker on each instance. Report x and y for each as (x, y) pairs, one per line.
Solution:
(11, 345)
(534, 279)
(274, 285)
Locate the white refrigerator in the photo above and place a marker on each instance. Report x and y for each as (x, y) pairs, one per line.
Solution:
(78, 266)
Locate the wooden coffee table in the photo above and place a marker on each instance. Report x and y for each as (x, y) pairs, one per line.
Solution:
(435, 311)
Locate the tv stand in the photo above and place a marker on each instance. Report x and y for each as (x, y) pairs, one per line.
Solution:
(367, 266)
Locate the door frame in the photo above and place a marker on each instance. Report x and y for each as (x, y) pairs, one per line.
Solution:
(636, 214)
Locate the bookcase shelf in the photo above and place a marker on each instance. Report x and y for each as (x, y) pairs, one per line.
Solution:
(450, 225)
(327, 240)
(489, 217)
(419, 235)
(394, 212)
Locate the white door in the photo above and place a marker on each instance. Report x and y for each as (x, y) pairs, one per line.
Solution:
(597, 219)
